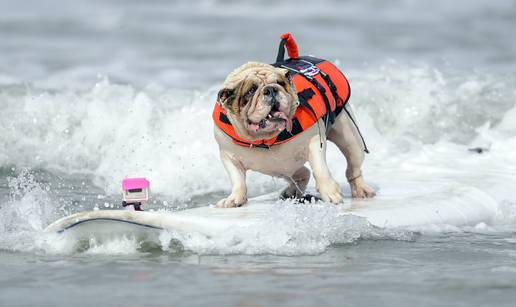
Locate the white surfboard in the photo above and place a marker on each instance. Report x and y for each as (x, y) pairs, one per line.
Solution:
(464, 206)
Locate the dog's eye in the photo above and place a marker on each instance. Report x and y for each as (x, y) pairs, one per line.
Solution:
(249, 94)
(281, 83)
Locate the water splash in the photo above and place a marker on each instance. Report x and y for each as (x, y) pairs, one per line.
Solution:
(26, 214)
(418, 122)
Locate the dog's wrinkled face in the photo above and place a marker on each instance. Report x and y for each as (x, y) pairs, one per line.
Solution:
(260, 100)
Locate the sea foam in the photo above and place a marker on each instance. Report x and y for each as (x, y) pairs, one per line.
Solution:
(418, 123)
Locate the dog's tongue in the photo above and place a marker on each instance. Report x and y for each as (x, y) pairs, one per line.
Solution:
(285, 117)
(254, 126)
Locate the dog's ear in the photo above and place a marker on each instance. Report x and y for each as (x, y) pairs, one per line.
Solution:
(225, 96)
(285, 78)
(288, 75)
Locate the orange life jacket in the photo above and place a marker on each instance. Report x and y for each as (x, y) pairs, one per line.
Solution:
(322, 89)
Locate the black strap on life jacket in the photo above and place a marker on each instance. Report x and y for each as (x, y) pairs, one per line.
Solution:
(329, 117)
(337, 98)
(303, 97)
(281, 51)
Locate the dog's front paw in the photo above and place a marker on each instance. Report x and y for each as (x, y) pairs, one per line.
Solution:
(232, 201)
(360, 189)
(330, 191)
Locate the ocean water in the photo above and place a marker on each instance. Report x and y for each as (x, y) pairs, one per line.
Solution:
(94, 91)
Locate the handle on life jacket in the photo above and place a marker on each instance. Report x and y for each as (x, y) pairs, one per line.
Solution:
(287, 41)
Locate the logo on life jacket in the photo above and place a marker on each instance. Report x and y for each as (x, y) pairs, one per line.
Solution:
(308, 69)
(322, 90)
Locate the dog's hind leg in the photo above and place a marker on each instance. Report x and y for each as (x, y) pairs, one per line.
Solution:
(297, 184)
(346, 136)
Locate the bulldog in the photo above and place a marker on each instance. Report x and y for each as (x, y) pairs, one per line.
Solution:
(259, 101)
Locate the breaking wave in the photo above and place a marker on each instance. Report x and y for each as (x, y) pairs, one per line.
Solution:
(418, 121)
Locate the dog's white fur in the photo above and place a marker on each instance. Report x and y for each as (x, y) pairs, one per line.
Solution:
(288, 160)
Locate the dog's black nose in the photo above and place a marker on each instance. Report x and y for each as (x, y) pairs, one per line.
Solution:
(270, 91)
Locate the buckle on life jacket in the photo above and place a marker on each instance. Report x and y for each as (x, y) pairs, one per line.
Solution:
(310, 71)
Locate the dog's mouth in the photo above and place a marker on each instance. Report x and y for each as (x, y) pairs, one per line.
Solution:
(275, 120)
